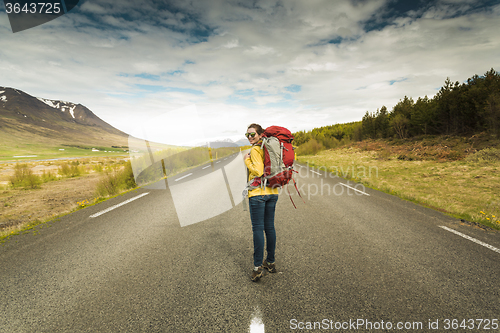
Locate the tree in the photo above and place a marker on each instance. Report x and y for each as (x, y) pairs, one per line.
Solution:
(493, 114)
(357, 133)
(368, 125)
(404, 107)
(400, 125)
(423, 116)
(301, 137)
(443, 99)
(381, 123)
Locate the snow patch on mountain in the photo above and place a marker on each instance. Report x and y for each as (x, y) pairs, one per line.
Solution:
(60, 105)
(3, 98)
(71, 110)
(48, 102)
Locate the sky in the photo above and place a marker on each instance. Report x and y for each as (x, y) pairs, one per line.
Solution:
(297, 64)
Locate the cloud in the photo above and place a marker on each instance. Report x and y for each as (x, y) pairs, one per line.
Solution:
(320, 61)
(92, 7)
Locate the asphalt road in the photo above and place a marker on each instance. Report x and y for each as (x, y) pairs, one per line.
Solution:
(349, 259)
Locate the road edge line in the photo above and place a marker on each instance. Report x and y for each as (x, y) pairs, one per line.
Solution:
(352, 188)
(491, 247)
(118, 205)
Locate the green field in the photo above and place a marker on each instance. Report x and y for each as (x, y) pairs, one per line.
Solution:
(24, 139)
(34, 151)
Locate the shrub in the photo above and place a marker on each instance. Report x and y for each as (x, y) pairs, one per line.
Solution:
(107, 186)
(330, 142)
(24, 177)
(384, 154)
(98, 167)
(311, 147)
(485, 155)
(455, 156)
(48, 176)
(116, 181)
(127, 176)
(70, 169)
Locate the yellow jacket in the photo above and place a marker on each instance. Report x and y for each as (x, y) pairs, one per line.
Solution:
(255, 165)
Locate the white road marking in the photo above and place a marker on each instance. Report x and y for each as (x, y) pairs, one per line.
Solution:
(471, 239)
(208, 166)
(315, 172)
(256, 325)
(218, 162)
(189, 174)
(118, 205)
(352, 188)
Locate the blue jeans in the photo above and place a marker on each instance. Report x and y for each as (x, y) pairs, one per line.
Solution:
(262, 209)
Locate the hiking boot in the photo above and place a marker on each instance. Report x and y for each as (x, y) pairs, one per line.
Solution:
(270, 267)
(256, 274)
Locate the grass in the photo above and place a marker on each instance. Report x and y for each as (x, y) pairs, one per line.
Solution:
(43, 152)
(467, 188)
(116, 179)
(24, 176)
(35, 226)
(40, 200)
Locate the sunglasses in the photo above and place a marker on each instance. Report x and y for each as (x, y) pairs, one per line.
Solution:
(252, 135)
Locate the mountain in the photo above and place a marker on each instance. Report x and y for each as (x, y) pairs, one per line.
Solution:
(242, 142)
(27, 120)
(224, 143)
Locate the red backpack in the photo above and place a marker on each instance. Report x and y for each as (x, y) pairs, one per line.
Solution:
(278, 160)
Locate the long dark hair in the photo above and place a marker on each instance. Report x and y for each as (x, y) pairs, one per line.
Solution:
(257, 128)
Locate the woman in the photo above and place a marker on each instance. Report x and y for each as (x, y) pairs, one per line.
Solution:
(262, 203)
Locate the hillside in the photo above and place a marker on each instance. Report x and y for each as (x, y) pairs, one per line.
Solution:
(34, 125)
